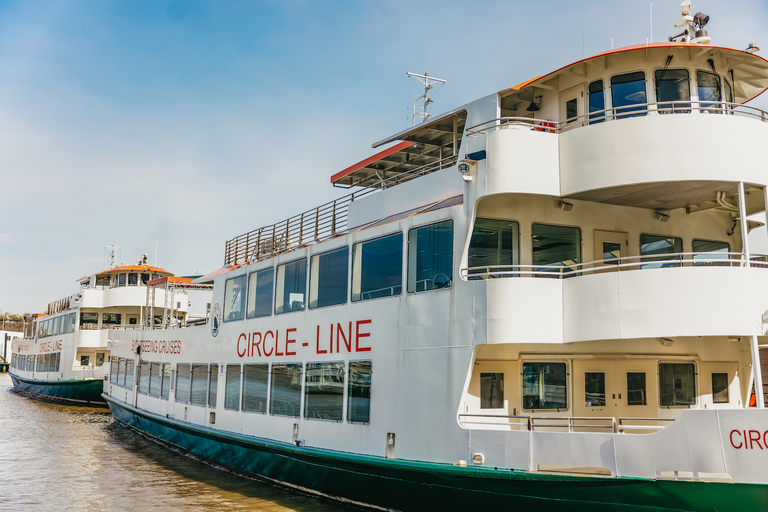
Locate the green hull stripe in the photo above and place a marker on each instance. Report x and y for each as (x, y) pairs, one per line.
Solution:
(408, 485)
(77, 392)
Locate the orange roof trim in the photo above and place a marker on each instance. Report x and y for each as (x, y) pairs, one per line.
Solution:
(136, 268)
(378, 156)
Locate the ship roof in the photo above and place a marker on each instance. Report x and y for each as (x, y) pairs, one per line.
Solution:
(136, 268)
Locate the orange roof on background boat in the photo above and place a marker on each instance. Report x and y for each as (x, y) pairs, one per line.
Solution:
(135, 268)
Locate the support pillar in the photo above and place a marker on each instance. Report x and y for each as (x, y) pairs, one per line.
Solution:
(757, 377)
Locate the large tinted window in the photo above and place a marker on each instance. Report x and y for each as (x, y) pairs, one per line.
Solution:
(544, 386)
(494, 243)
(291, 286)
(234, 299)
(596, 102)
(129, 364)
(628, 90)
(155, 379)
(710, 250)
(359, 392)
(144, 377)
(285, 392)
(255, 387)
(232, 387)
(260, 286)
(710, 93)
(651, 245)
(377, 268)
(672, 85)
(199, 384)
(328, 278)
(166, 374)
(430, 257)
(182, 382)
(113, 367)
(677, 384)
(324, 391)
(213, 385)
(558, 246)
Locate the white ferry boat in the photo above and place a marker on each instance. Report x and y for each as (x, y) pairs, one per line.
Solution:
(544, 299)
(67, 357)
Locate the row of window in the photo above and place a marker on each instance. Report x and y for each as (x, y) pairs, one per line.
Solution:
(61, 324)
(497, 243)
(37, 363)
(545, 386)
(377, 271)
(259, 388)
(671, 85)
(132, 279)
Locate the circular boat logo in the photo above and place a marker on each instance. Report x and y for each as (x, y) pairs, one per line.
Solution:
(215, 319)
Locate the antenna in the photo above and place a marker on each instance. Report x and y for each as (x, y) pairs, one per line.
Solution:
(429, 83)
(112, 254)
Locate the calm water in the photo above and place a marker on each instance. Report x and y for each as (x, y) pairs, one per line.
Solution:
(62, 458)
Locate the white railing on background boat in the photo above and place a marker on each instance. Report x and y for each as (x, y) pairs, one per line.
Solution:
(615, 113)
(564, 423)
(624, 263)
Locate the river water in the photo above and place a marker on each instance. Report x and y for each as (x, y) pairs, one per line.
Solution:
(61, 458)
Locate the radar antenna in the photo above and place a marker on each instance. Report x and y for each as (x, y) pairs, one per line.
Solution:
(429, 83)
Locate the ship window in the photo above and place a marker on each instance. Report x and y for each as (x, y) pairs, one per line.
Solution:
(544, 386)
(285, 392)
(571, 110)
(255, 388)
(494, 243)
(58, 361)
(491, 390)
(144, 378)
(328, 278)
(144, 278)
(158, 319)
(154, 379)
(166, 382)
(72, 322)
(260, 286)
(39, 367)
(377, 268)
(720, 388)
(672, 86)
(677, 384)
(728, 92)
(113, 369)
(111, 318)
(90, 319)
(213, 385)
(232, 388)
(557, 246)
(133, 279)
(182, 382)
(651, 245)
(710, 250)
(324, 391)
(64, 324)
(234, 299)
(99, 358)
(709, 92)
(128, 380)
(628, 90)
(636, 394)
(596, 102)
(359, 392)
(199, 384)
(291, 286)
(85, 360)
(594, 389)
(57, 326)
(430, 257)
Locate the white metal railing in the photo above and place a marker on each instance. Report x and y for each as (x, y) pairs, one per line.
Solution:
(324, 222)
(172, 325)
(615, 113)
(624, 263)
(565, 423)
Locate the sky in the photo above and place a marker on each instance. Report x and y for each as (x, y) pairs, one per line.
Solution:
(169, 127)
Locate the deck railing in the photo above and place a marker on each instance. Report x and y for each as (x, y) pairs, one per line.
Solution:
(624, 263)
(322, 223)
(611, 114)
(566, 423)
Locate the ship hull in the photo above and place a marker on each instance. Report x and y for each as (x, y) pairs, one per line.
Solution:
(70, 392)
(394, 484)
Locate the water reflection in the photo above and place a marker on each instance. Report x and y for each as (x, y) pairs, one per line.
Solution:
(55, 457)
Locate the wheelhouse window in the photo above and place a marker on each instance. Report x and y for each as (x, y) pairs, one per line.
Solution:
(232, 388)
(255, 377)
(677, 384)
(636, 394)
(133, 279)
(430, 257)
(491, 390)
(182, 382)
(285, 392)
(720, 388)
(596, 102)
(260, 285)
(708, 250)
(494, 243)
(710, 94)
(121, 279)
(291, 286)
(377, 268)
(328, 278)
(324, 391)
(663, 246)
(359, 392)
(628, 90)
(544, 386)
(672, 86)
(234, 299)
(555, 246)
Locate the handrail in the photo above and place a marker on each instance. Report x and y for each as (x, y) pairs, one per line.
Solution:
(615, 113)
(624, 263)
(321, 223)
(571, 423)
(622, 427)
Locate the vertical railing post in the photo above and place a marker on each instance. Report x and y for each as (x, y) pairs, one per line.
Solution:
(744, 229)
(333, 220)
